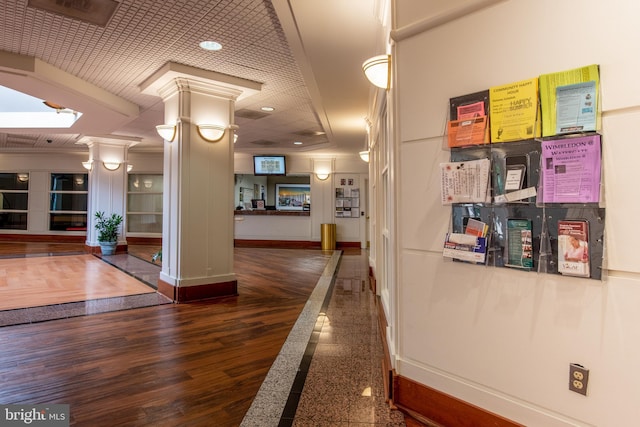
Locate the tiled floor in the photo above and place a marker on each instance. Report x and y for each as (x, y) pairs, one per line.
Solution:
(338, 379)
(344, 384)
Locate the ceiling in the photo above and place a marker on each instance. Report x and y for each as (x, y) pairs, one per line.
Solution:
(306, 54)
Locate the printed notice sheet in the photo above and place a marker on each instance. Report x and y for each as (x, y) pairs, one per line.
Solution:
(548, 91)
(570, 170)
(465, 182)
(576, 108)
(514, 111)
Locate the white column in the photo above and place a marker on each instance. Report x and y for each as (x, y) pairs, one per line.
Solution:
(107, 188)
(198, 180)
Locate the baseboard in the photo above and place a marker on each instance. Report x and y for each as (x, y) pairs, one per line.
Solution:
(288, 244)
(43, 238)
(153, 241)
(280, 244)
(430, 407)
(183, 294)
(422, 405)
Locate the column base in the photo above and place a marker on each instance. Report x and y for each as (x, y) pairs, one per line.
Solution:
(196, 293)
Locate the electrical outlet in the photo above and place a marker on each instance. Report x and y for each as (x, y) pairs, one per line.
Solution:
(578, 378)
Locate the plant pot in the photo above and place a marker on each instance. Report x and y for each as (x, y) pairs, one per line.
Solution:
(108, 248)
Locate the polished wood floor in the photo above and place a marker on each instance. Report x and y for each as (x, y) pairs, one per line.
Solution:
(46, 280)
(196, 364)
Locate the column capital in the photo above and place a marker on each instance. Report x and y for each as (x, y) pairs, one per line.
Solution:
(173, 77)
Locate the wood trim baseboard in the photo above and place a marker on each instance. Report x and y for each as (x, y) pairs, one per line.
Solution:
(288, 244)
(431, 407)
(47, 238)
(182, 294)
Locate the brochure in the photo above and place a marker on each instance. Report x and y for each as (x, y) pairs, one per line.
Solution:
(519, 244)
(463, 251)
(573, 248)
(473, 131)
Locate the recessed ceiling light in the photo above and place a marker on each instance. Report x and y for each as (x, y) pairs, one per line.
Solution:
(297, 143)
(210, 45)
(267, 108)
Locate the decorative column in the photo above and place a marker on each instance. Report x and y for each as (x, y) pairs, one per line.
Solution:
(198, 181)
(107, 184)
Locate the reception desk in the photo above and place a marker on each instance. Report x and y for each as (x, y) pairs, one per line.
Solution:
(258, 212)
(273, 229)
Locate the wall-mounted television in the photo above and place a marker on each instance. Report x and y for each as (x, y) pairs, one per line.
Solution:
(269, 165)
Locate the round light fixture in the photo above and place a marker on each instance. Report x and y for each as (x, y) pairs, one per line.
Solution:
(267, 108)
(210, 45)
(297, 143)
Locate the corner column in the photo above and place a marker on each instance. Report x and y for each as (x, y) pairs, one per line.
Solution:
(108, 157)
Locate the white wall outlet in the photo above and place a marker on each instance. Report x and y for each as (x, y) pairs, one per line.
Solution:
(578, 378)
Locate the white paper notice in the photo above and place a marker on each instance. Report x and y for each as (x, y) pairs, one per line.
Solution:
(465, 182)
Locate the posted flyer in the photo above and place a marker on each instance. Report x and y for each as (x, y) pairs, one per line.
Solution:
(570, 170)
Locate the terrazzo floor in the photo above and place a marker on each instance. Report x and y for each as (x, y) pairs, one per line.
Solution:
(336, 351)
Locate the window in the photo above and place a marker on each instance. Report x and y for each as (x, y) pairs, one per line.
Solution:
(144, 203)
(14, 201)
(68, 202)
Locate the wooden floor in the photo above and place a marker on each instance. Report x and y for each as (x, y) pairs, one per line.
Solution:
(45, 280)
(196, 364)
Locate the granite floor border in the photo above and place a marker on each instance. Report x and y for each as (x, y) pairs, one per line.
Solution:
(278, 396)
(66, 310)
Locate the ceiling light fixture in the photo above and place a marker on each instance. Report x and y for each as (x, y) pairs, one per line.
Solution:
(53, 105)
(297, 143)
(112, 166)
(211, 133)
(166, 132)
(268, 108)
(210, 45)
(378, 70)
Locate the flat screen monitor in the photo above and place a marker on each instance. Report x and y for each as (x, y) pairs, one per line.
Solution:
(269, 165)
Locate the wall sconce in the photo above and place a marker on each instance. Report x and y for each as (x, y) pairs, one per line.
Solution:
(129, 167)
(147, 183)
(88, 165)
(322, 168)
(364, 155)
(167, 132)
(23, 177)
(112, 166)
(378, 70)
(211, 133)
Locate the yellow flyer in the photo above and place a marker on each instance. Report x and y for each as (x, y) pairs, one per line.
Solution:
(514, 111)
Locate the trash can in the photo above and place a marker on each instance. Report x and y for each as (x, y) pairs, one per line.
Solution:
(328, 237)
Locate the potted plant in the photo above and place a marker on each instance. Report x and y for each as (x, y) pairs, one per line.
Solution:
(107, 227)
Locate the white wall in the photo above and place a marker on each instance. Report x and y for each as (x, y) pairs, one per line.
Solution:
(499, 338)
(39, 167)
